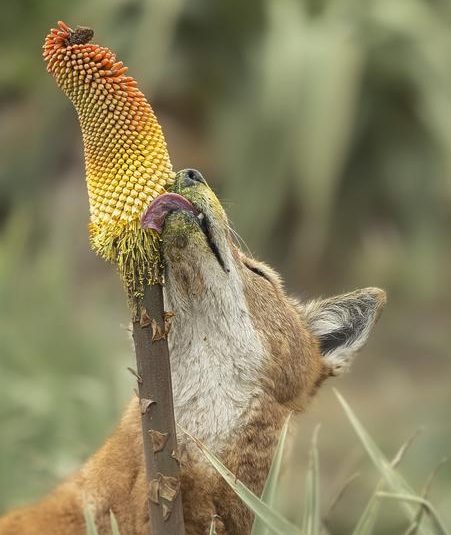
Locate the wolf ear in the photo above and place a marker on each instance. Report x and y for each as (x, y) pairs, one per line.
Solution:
(343, 324)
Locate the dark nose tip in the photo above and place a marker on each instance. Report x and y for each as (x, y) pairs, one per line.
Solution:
(192, 176)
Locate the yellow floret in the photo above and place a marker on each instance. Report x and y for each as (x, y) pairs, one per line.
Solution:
(127, 162)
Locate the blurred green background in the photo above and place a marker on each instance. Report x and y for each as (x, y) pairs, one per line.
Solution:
(325, 127)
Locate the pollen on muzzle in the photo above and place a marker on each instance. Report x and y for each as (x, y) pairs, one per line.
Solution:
(126, 158)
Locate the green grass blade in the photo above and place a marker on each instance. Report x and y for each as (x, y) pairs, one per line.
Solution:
(392, 478)
(212, 527)
(271, 485)
(114, 524)
(273, 520)
(90, 523)
(312, 522)
(440, 527)
(367, 522)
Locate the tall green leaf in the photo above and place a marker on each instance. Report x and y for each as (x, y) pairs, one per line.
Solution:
(271, 485)
(312, 522)
(272, 519)
(367, 522)
(212, 527)
(438, 523)
(90, 523)
(114, 524)
(392, 478)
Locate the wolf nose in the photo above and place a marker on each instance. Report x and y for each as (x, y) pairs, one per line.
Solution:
(192, 177)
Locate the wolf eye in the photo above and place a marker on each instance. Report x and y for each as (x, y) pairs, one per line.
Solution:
(194, 175)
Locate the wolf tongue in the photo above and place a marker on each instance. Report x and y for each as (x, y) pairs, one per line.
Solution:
(163, 205)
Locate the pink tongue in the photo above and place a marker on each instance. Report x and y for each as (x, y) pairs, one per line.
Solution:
(163, 205)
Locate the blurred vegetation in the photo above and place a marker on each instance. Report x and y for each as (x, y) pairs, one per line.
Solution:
(325, 127)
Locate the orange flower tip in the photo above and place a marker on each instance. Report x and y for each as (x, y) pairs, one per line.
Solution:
(120, 72)
(64, 26)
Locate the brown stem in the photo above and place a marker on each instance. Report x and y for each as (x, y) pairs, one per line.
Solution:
(150, 328)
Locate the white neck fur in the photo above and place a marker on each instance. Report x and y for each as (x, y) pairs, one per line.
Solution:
(216, 353)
